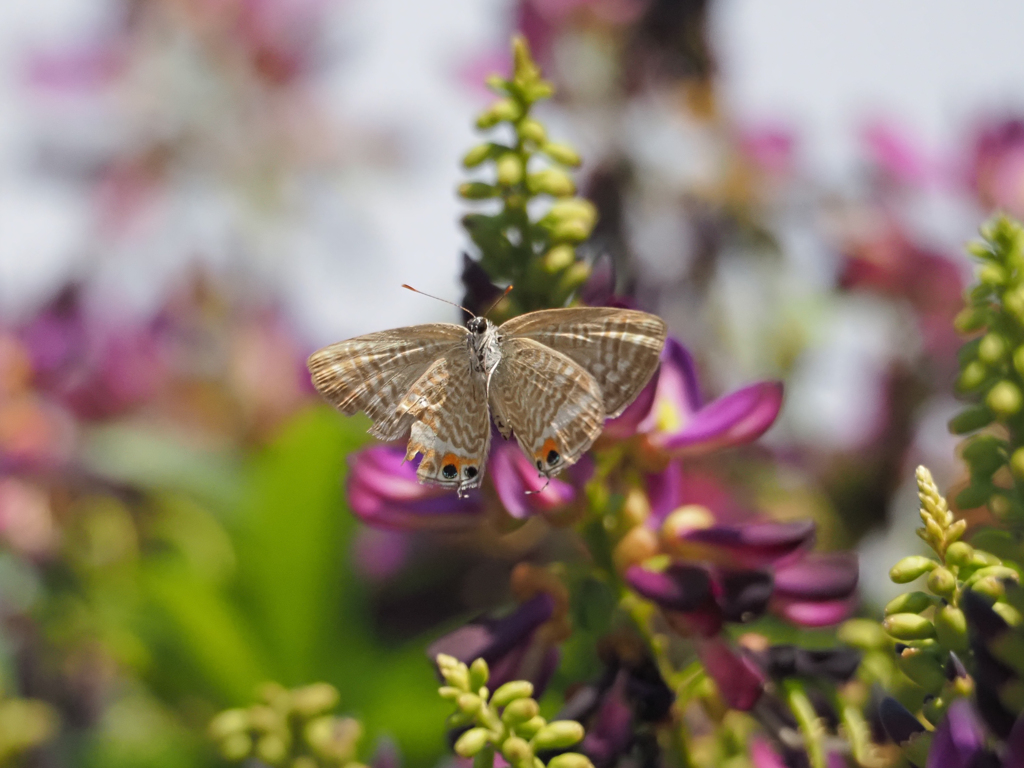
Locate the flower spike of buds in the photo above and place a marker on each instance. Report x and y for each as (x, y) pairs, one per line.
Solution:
(506, 722)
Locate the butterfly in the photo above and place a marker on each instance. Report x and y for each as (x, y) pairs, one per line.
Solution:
(550, 378)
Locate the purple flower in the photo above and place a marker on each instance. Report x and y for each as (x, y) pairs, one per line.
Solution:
(671, 415)
(959, 740)
(514, 647)
(383, 490)
(997, 166)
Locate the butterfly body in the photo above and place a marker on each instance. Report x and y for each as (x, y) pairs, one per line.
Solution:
(550, 378)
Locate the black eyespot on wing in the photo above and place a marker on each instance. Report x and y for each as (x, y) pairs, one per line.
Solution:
(450, 471)
(470, 472)
(553, 458)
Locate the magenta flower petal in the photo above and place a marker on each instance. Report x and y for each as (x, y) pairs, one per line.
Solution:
(677, 588)
(384, 492)
(739, 680)
(958, 740)
(677, 395)
(814, 614)
(763, 756)
(818, 577)
(513, 475)
(737, 418)
(752, 545)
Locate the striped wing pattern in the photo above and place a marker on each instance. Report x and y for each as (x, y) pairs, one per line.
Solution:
(620, 348)
(549, 401)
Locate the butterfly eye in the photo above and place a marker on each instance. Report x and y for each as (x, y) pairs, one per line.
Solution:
(553, 458)
(450, 471)
(469, 472)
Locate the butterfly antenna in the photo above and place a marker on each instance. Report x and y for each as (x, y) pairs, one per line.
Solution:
(498, 300)
(416, 290)
(531, 493)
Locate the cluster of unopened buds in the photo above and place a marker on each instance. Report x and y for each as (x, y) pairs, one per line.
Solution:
(505, 722)
(290, 729)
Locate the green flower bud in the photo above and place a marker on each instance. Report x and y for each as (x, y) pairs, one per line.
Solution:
(532, 130)
(983, 559)
(923, 667)
(969, 319)
(228, 722)
(510, 691)
(477, 190)
(561, 153)
(1000, 505)
(942, 582)
(862, 633)
(538, 91)
(497, 83)
(992, 274)
(235, 747)
(1009, 614)
(570, 760)
(560, 257)
(1013, 302)
(448, 692)
(973, 496)
(560, 734)
(972, 376)
(502, 110)
(995, 572)
(910, 568)
(469, 703)
(529, 729)
(478, 154)
(955, 531)
(478, 674)
(314, 699)
(990, 587)
(516, 750)
(573, 278)
(573, 231)
(951, 628)
(970, 418)
(264, 718)
(472, 741)
(550, 181)
(979, 249)
(1004, 399)
(1017, 463)
(908, 626)
(959, 553)
(572, 208)
(454, 671)
(909, 602)
(520, 710)
(271, 748)
(993, 348)
(510, 169)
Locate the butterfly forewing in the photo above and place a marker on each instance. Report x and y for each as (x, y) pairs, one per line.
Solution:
(548, 400)
(620, 348)
(373, 373)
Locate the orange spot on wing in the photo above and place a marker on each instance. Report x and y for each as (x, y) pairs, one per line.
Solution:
(549, 445)
(451, 458)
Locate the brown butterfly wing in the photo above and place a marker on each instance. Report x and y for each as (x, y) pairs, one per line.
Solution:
(417, 379)
(620, 348)
(373, 373)
(549, 401)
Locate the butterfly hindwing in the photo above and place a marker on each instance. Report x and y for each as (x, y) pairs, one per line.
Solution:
(620, 348)
(451, 428)
(549, 401)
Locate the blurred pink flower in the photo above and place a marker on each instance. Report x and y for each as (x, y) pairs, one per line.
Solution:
(26, 520)
(997, 166)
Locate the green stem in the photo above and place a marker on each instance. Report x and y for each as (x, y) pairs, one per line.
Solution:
(808, 722)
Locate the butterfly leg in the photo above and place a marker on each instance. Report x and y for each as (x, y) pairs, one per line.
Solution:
(541, 490)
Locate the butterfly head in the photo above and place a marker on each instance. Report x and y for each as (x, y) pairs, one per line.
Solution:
(478, 325)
